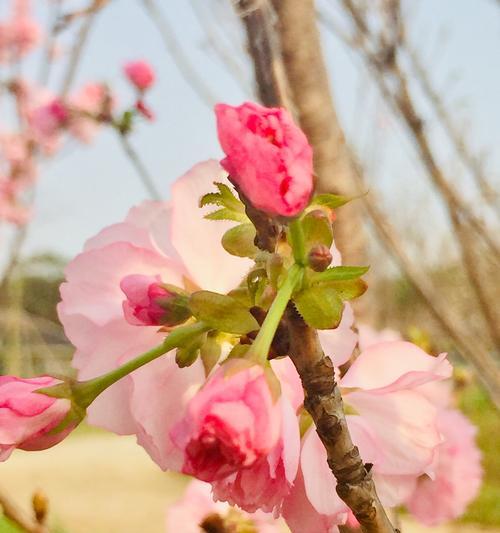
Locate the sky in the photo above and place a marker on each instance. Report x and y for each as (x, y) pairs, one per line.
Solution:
(86, 188)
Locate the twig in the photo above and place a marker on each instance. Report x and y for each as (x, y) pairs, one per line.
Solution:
(323, 400)
(178, 55)
(140, 167)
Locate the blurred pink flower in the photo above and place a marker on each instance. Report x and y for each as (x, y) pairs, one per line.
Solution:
(156, 239)
(89, 105)
(395, 427)
(267, 155)
(186, 515)
(140, 74)
(230, 424)
(27, 418)
(457, 477)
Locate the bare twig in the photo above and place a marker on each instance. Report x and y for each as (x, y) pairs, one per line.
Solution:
(178, 55)
(140, 167)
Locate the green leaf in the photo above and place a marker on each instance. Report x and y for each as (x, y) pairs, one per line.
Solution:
(210, 353)
(186, 355)
(230, 201)
(339, 273)
(222, 312)
(211, 198)
(317, 229)
(330, 200)
(320, 306)
(239, 241)
(226, 214)
(348, 289)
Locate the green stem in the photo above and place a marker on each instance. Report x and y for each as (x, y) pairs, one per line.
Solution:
(86, 392)
(297, 242)
(262, 344)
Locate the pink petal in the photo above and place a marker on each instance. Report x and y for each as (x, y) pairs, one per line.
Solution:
(339, 343)
(197, 240)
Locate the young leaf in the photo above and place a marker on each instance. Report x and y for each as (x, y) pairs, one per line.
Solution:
(348, 289)
(230, 201)
(320, 306)
(222, 312)
(339, 273)
(239, 241)
(210, 353)
(317, 229)
(226, 214)
(331, 200)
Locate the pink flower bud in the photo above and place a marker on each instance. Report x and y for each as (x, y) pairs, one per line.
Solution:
(144, 109)
(230, 424)
(27, 418)
(149, 303)
(140, 74)
(268, 157)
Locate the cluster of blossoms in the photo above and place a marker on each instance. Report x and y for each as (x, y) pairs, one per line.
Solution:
(42, 120)
(219, 399)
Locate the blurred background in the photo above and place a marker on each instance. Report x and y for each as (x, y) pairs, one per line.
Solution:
(400, 101)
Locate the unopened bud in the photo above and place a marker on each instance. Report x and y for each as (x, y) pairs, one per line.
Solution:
(40, 506)
(319, 257)
(149, 302)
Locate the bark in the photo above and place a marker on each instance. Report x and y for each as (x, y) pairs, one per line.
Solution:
(323, 400)
(309, 86)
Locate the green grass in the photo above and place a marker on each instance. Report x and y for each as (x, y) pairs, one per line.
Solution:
(7, 527)
(475, 404)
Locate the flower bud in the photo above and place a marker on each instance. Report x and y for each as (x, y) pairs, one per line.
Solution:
(151, 303)
(29, 419)
(268, 157)
(319, 258)
(140, 74)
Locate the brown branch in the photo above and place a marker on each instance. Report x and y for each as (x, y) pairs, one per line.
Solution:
(386, 66)
(307, 78)
(323, 400)
(471, 161)
(324, 403)
(475, 352)
(19, 517)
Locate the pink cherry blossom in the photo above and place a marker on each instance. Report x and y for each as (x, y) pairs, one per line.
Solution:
(46, 123)
(395, 427)
(155, 239)
(27, 417)
(186, 515)
(268, 482)
(458, 473)
(267, 155)
(230, 424)
(140, 74)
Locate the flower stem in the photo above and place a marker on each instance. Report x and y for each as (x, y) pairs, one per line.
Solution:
(262, 344)
(86, 392)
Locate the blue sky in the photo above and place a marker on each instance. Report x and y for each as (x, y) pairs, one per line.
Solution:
(90, 187)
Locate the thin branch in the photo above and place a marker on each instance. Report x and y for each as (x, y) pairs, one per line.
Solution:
(178, 55)
(140, 167)
(471, 161)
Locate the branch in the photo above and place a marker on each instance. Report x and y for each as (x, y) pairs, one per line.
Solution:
(178, 55)
(323, 400)
(139, 166)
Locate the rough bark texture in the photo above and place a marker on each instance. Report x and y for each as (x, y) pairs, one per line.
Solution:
(309, 87)
(323, 400)
(324, 403)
